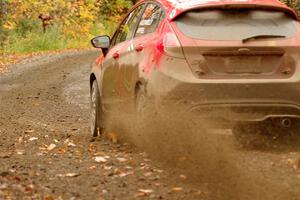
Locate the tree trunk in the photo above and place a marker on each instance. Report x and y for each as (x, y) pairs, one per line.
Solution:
(3, 9)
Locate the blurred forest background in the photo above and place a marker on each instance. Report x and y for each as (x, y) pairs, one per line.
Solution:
(38, 25)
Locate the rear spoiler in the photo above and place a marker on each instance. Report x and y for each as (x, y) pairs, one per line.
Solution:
(178, 11)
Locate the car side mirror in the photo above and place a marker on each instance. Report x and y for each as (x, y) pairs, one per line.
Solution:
(101, 42)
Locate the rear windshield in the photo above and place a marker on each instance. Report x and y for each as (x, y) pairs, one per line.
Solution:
(235, 24)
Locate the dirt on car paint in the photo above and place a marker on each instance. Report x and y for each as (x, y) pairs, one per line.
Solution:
(47, 152)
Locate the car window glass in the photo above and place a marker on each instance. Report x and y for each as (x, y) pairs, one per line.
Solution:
(151, 18)
(235, 24)
(127, 28)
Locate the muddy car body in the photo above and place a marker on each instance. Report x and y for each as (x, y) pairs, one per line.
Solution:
(234, 60)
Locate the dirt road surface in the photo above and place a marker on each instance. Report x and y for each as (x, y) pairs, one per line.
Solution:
(47, 152)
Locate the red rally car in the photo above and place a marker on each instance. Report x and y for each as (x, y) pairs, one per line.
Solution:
(230, 60)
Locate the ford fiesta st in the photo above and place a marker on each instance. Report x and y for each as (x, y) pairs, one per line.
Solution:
(234, 60)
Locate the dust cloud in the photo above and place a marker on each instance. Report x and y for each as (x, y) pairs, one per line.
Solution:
(212, 159)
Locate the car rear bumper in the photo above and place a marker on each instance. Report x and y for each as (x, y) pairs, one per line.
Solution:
(232, 102)
(245, 111)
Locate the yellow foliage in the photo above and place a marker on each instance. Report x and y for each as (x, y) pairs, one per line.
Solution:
(73, 16)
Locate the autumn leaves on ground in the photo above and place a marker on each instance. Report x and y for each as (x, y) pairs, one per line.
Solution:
(47, 152)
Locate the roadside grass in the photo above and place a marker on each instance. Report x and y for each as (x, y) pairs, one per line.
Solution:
(16, 45)
(54, 38)
(38, 41)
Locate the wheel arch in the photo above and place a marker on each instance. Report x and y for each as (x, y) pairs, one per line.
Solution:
(92, 79)
(139, 83)
(96, 76)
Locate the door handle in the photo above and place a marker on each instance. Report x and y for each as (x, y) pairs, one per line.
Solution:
(139, 48)
(116, 55)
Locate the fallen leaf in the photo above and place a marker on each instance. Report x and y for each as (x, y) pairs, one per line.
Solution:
(71, 144)
(113, 137)
(107, 167)
(33, 139)
(290, 161)
(92, 148)
(48, 198)
(117, 171)
(72, 174)
(177, 189)
(51, 147)
(104, 191)
(148, 174)
(29, 188)
(143, 193)
(122, 159)
(100, 159)
(20, 152)
(140, 194)
(61, 151)
(43, 147)
(29, 131)
(20, 140)
(182, 176)
(128, 167)
(123, 174)
(92, 167)
(68, 175)
(146, 191)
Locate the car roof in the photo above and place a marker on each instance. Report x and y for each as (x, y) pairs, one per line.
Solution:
(176, 7)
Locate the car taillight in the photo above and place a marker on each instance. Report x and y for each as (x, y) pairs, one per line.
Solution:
(169, 43)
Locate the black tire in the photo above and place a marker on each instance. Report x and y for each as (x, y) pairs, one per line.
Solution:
(97, 115)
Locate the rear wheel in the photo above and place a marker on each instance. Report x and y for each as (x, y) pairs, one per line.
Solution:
(97, 115)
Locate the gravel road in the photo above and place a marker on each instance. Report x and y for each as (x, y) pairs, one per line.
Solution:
(47, 152)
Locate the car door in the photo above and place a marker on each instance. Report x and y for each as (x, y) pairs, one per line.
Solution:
(111, 76)
(125, 64)
(146, 37)
(138, 51)
(144, 43)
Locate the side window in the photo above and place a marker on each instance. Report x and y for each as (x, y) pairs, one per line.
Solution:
(127, 28)
(151, 18)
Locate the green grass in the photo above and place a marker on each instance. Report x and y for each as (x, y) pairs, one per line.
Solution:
(36, 40)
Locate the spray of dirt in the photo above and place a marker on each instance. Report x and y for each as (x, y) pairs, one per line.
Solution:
(212, 161)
